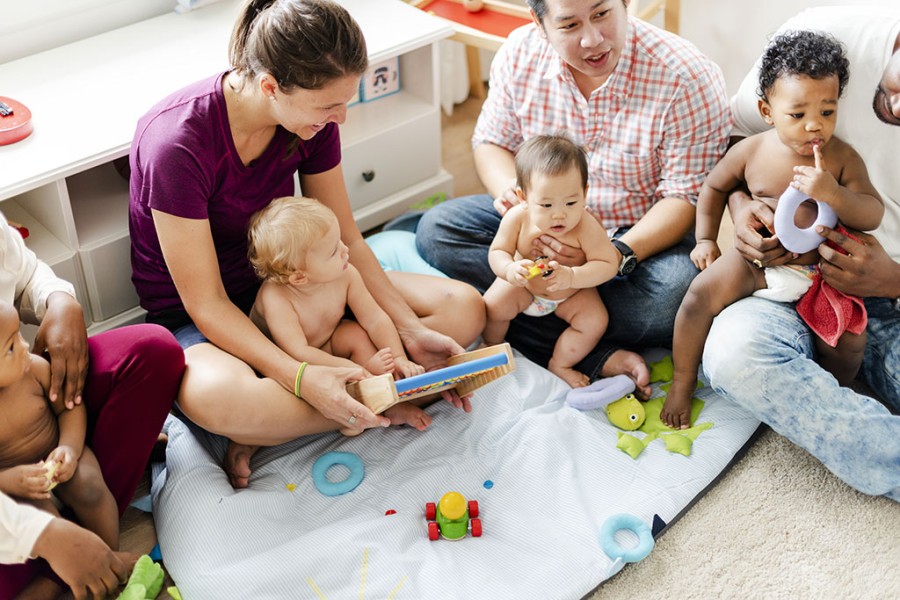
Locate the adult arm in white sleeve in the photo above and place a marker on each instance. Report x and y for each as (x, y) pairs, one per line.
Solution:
(25, 280)
(20, 527)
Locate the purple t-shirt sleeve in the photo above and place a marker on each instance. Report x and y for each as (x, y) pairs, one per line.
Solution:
(184, 163)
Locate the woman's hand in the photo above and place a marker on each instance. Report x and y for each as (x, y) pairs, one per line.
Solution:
(431, 350)
(750, 219)
(866, 270)
(63, 336)
(325, 389)
(553, 249)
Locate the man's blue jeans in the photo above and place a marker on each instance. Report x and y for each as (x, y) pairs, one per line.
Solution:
(455, 237)
(759, 354)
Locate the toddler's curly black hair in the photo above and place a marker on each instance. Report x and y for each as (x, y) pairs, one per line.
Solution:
(812, 53)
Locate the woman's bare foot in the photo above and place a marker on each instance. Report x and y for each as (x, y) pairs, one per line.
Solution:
(408, 414)
(237, 464)
(632, 364)
(574, 378)
(676, 410)
(381, 362)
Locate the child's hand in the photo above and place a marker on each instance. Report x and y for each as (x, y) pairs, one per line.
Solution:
(406, 368)
(705, 253)
(26, 481)
(517, 272)
(65, 457)
(561, 278)
(816, 182)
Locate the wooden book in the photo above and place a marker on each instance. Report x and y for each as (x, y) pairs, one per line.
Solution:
(464, 372)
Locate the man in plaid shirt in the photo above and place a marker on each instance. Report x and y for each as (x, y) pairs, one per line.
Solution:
(652, 113)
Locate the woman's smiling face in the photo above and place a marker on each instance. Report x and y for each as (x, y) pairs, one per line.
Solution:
(306, 112)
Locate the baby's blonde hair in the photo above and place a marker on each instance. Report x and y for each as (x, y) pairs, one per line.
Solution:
(282, 233)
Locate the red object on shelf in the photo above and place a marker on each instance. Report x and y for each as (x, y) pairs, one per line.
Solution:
(16, 126)
(486, 20)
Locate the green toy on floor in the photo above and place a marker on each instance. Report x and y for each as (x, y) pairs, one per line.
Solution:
(146, 582)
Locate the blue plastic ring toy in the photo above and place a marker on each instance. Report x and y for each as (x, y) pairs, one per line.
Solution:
(633, 524)
(336, 488)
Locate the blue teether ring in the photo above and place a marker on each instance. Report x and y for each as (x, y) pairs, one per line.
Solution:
(792, 237)
(633, 524)
(336, 488)
(600, 393)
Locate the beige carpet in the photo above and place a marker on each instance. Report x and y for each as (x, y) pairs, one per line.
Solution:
(778, 525)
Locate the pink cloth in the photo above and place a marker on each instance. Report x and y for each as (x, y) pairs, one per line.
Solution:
(131, 384)
(828, 312)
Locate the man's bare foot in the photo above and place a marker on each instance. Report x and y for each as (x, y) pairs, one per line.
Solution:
(381, 362)
(574, 378)
(408, 414)
(676, 410)
(41, 588)
(237, 464)
(625, 362)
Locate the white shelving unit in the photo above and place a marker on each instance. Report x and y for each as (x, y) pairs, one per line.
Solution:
(86, 98)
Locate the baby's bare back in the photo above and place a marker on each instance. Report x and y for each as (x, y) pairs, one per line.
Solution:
(29, 430)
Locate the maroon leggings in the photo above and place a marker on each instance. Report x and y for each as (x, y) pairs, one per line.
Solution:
(132, 380)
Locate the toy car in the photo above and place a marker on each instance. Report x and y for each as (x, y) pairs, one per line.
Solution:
(452, 517)
(540, 267)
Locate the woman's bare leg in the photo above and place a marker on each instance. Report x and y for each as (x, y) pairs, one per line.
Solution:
(448, 306)
(223, 395)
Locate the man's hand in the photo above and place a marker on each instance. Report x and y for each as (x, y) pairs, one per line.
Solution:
(866, 270)
(749, 220)
(553, 249)
(81, 559)
(506, 200)
(431, 350)
(63, 336)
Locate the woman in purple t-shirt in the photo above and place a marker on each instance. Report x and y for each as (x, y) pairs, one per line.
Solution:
(202, 162)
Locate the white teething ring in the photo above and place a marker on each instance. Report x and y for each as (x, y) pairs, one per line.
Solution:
(792, 237)
(601, 393)
(633, 524)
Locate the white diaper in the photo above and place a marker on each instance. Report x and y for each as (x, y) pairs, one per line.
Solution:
(787, 283)
(541, 307)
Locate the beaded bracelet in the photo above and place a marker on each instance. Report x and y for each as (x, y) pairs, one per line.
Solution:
(297, 379)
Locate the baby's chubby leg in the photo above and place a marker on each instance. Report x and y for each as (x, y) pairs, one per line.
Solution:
(725, 282)
(587, 318)
(502, 301)
(351, 341)
(87, 495)
(842, 361)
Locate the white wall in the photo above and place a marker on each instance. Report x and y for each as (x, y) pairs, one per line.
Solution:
(734, 32)
(30, 26)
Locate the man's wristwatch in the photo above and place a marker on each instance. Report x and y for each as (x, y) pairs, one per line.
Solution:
(896, 303)
(629, 260)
